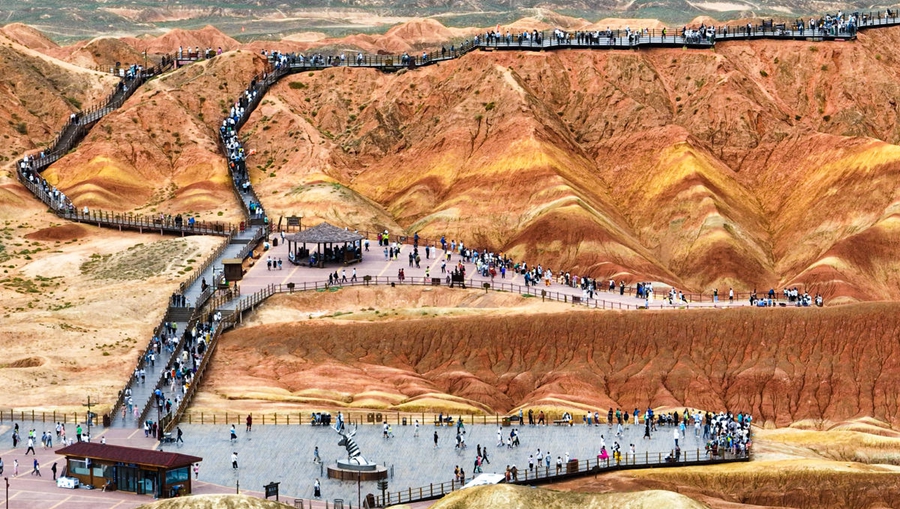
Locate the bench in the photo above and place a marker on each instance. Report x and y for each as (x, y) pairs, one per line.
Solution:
(448, 421)
(561, 422)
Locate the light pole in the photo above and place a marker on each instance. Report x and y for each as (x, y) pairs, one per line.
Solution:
(7, 491)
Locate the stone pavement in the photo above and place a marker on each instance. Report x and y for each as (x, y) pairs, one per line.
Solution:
(143, 391)
(285, 453)
(374, 264)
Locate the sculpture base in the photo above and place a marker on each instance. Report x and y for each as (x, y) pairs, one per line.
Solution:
(350, 465)
(351, 472)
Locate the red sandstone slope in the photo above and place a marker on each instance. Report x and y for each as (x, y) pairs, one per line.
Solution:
(39, 93)
(795, 365)
(159, 151)
(699, 168)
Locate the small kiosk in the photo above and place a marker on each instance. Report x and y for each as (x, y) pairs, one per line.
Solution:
(142, 471)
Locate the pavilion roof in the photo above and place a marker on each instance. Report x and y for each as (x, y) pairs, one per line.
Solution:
(324, 233)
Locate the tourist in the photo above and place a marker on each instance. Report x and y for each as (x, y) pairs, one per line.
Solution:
(317, 489)
(233, 434)
(249, 423)
(234, 463)
(196, 471)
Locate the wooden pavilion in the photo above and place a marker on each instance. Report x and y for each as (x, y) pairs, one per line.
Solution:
(333, 245)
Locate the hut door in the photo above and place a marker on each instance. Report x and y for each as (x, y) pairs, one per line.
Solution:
(147, 483)
(126, 479)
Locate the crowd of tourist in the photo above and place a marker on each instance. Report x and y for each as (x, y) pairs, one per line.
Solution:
(177, 379)
(489, 264)
(57, 199)
(234, 149)
(716, 434)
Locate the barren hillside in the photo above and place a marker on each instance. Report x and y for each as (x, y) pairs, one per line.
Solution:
(159, 152)
(788, 366)
(756, 165)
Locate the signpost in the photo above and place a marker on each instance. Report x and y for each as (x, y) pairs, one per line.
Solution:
(272, 490)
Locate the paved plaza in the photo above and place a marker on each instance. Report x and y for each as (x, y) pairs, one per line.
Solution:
(285, 454)
(374, 264)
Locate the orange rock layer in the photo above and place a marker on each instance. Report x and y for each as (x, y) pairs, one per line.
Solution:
(785, 366)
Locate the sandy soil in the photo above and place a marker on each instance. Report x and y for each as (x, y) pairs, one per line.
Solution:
(78, 306)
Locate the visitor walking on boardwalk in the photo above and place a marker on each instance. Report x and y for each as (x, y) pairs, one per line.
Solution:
(249, 423)
(53, 470)
(234, 464)
(316, 458)
(30, 447)
(37, 468)
(233, 434)
(317, 489)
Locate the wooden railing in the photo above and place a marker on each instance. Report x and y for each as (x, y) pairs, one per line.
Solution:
(571, 470)
(209, 260)
(12, 415)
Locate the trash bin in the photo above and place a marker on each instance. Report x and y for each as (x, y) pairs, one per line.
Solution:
(572, 466)
(106, 421)
(275, 242)
(404, 421)
(506, 422)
